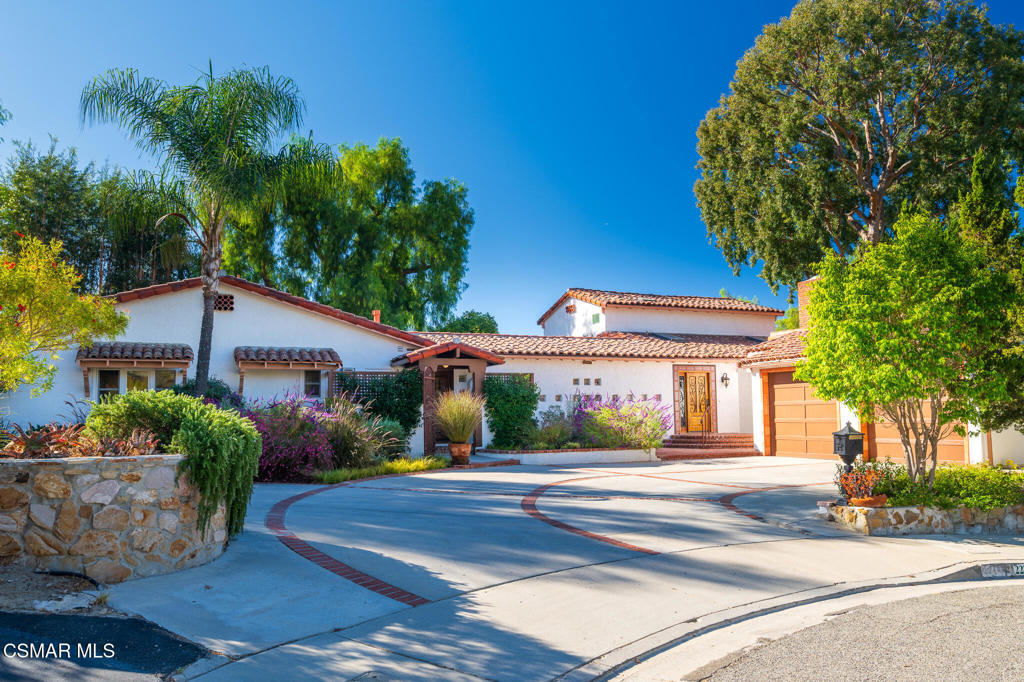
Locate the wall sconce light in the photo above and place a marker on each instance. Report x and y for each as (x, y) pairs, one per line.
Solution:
(725, 379)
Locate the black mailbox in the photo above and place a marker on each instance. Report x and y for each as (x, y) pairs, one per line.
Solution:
(848, 443)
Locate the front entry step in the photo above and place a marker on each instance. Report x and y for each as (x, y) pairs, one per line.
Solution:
(740, 441)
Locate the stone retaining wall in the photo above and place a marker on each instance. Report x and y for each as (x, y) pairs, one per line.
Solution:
(112, 518)
(929, 520)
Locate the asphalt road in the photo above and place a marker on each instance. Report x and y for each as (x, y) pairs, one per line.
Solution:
(975, 634)
(88, 648)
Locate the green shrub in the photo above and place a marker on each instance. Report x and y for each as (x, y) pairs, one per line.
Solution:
(458, 414)
(396, 396)
(217, 392)
(553, 431)
(223, 451)
(620, 424)
(979, 487)
(356, 439)
(393, 430)
(395, 466)
(158, 411)
(511, 404)
(222, 448)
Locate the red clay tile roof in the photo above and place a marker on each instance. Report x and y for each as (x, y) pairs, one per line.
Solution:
(628, 299)
(135, 350)
(239, 283)
(414, 356)
(788, 345)
(611, 345)
(268, 354)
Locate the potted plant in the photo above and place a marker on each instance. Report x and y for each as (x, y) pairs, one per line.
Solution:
(859, 487)
(458, 415)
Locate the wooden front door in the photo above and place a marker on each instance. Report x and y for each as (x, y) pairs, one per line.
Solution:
(695, 395)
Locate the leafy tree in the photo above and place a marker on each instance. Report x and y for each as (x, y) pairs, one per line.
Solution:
(843, 112)
(213, 138)
(373, 240)
(907, 331)
(107, 229)
(986, 217)
(789, 320)
(471, 321)
(41, 314)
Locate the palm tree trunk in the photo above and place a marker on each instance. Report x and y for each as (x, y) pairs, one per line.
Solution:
(212, 256)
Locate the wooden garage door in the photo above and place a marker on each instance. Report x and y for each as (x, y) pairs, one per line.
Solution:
(884, 442)
(802, 424)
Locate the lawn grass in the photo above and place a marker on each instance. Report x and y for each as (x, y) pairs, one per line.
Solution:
(394, 466)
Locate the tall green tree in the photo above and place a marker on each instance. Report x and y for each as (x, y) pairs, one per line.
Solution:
(908, 331)
(844, 111)
(373, 239)
(215, 140)
(107, 228)
(471, 321)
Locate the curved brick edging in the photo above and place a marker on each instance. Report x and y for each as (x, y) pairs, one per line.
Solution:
(274, 522)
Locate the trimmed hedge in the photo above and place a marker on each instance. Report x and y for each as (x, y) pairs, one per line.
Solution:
(511, 404)
(222, 448)
(975, 486)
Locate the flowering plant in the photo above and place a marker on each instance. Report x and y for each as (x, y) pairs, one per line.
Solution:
(621, 422)
(859, 483)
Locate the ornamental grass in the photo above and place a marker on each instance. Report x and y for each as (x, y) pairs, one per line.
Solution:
(458, 414)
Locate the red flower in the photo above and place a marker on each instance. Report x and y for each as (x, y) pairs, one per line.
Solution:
(21, 308)
(19, 234)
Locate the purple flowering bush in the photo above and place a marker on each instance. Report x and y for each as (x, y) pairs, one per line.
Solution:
(621, 422)
(301, 437)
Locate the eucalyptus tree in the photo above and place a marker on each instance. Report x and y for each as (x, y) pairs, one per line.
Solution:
(216, 139)
(843, 112)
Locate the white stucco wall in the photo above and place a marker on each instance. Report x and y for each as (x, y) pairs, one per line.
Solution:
(555, 377)
(1007, 445)
(687, 321)
(579, 323)
(255, 321)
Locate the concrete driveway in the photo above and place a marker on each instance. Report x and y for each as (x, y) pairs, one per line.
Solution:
(521, 573)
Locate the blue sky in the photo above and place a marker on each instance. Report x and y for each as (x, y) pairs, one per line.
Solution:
(572, 124)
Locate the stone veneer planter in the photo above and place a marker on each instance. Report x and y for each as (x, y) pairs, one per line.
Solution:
(929, 520)
(112, 518)
(578, 455)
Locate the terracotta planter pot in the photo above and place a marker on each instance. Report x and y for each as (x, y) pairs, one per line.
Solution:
(874, 501)
(460, 452)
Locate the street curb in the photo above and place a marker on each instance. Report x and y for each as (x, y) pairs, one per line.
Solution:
(623, 658)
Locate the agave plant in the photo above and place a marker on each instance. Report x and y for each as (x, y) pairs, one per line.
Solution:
(51, 440)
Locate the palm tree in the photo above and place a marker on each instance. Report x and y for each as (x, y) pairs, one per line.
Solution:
(214, 139)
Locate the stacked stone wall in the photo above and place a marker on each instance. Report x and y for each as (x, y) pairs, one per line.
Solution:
(111, 518)
(929, 520)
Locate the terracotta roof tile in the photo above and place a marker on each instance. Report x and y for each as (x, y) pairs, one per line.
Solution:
(610, 345)
(624, 298)
(787, 345)
(270, 354)
(135, 350)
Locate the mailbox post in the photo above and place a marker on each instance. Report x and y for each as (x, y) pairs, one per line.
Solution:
(848, 443)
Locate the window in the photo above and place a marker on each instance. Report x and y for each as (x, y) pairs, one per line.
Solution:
(571, 308)
(110, 382)
(312, 383)
(586, 382)
(137, 380)
(164, 379)
(575, 382)
(543, 398)
(224, 303)
(558, 398)
(597, 318)
(597, 381)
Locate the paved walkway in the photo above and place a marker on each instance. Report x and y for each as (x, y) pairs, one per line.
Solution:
(520, 573)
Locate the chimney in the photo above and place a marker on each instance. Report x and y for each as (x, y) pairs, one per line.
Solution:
(376, 316)
(803, 291)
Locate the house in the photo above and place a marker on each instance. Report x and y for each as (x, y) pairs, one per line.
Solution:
(684, 350)
(791, 421)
